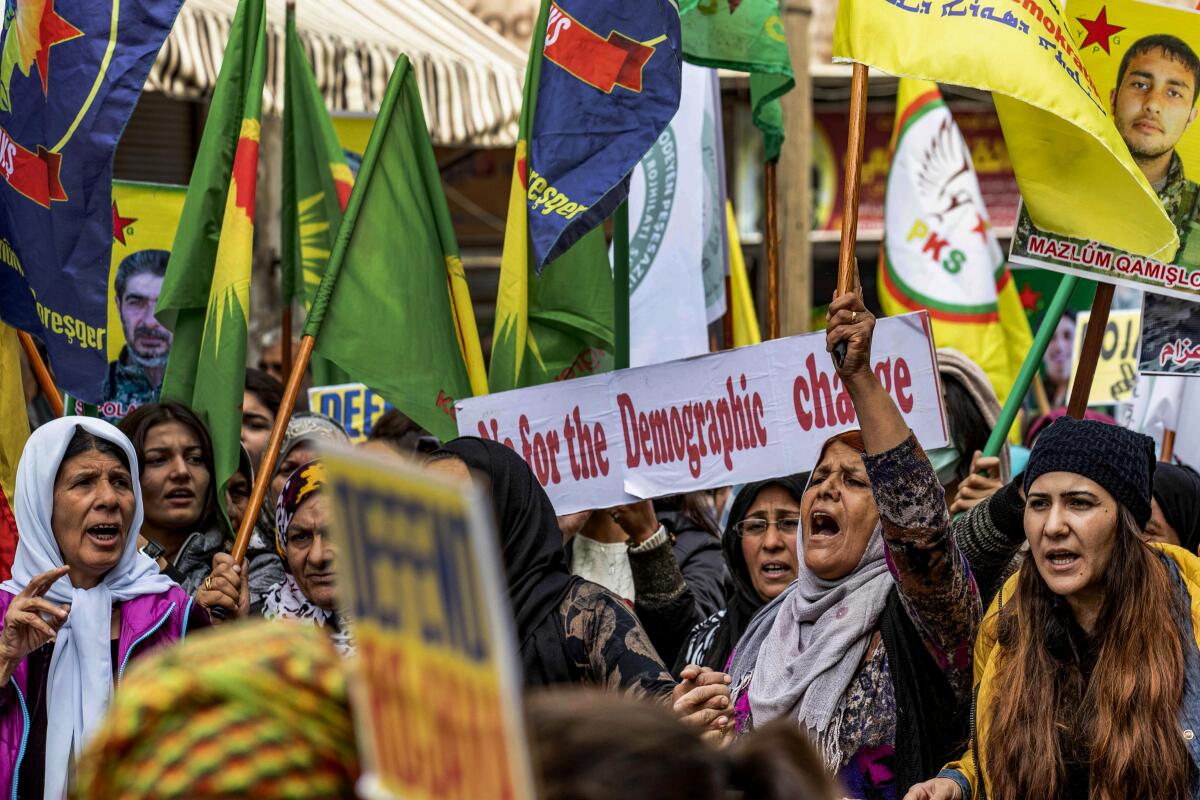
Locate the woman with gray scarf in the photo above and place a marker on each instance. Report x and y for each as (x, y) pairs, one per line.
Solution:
(869, 650)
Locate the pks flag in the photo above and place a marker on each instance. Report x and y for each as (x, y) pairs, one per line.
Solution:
(558, 324)
(745, 318)
(1074, 171)
(392, 308)
(316, 186)
(606, 76)
(940, 252)
(70, 74)
(677, 229)
(205, 296)
(748, 36)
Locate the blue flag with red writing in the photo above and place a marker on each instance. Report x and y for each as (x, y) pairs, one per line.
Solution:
(70, 74)
(609, 85)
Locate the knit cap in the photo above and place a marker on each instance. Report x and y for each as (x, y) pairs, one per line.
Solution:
(1118, 459)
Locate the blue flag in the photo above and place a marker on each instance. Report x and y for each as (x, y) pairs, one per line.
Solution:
(70, 74)
(609, 84)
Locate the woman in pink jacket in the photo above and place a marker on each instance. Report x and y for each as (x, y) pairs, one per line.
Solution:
(82, 600)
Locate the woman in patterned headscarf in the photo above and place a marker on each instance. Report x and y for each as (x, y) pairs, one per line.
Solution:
(306, 592)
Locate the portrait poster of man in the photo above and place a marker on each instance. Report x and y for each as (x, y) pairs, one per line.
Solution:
(145, 217)
(1144, 58)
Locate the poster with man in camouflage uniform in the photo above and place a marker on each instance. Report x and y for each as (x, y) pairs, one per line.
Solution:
(145, 217)
(1153, 81)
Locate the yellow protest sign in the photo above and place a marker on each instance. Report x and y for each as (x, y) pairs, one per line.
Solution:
(354, 406)
(1074, 171)
(1116, 366)
(353, 131)
(436, 683)
(1143, 58)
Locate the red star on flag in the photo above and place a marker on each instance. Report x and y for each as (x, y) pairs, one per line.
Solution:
(1099, 30)
(120, 224)
(52, 30)
(1029, 298)
(981, 228)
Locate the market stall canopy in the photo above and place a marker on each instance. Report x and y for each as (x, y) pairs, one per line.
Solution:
(469, 77)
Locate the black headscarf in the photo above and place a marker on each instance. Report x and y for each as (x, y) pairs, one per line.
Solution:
(531, 544)
(1177, 490)
(744, 601)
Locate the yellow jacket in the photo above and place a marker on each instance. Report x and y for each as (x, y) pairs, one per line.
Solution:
(969, 767)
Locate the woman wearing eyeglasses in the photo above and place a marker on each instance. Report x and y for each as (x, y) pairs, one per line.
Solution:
(869, 650)
(759, 545)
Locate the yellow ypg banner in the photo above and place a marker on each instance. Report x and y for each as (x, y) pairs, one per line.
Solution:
(1073, 169)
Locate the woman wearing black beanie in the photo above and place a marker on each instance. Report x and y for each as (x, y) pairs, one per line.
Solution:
(1086, 663)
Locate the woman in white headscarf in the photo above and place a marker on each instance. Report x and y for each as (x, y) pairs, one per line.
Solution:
(81, 602)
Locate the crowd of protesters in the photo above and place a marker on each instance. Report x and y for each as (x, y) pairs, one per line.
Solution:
(895, 624)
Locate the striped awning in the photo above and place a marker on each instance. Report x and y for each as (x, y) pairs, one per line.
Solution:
(469, 77)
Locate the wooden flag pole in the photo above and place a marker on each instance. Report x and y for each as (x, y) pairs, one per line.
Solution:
(1081, 384)
(772, 233)
(262, 478)
(1168, 446)
(44, 379)
(847, 269)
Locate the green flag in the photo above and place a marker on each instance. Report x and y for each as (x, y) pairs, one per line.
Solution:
(205, 296)
(391, 308)
(316, 187)
(558, 325)
(747, 36)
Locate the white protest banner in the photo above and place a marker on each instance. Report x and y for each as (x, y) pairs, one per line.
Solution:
(565, 431)
(352, 405)
(731, 417)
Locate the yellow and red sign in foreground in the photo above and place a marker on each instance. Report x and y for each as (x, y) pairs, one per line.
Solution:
(436, 682)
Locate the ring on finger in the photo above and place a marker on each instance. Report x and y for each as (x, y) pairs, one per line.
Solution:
(854, 318)
(208, 584)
